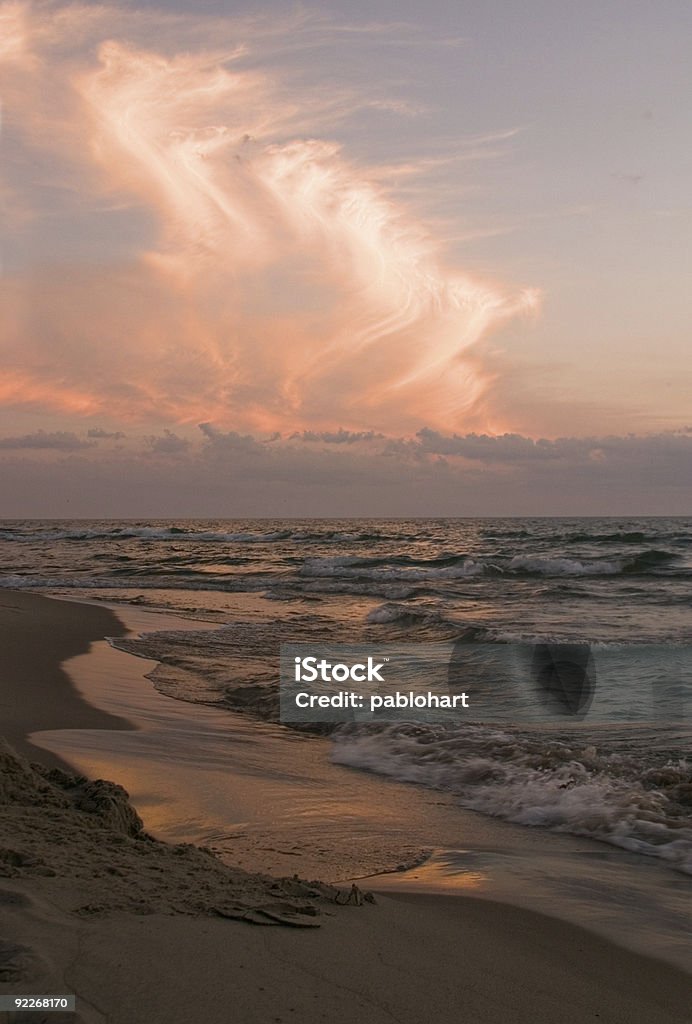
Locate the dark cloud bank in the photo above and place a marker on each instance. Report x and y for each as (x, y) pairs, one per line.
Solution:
(343, 473)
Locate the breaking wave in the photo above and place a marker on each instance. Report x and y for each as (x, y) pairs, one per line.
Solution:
(563, 785)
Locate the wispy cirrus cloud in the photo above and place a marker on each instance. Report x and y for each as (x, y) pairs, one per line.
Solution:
(267, 279)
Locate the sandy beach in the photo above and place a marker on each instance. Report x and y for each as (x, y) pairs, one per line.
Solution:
(141, 930)
(38, 635)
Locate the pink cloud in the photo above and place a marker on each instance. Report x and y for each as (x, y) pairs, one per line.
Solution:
(277, 284)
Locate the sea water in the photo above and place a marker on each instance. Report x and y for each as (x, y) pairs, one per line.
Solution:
(609, 583)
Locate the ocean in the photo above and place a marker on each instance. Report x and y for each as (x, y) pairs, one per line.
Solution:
(623, 779)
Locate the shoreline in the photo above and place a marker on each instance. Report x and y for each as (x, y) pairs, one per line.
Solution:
(37, 636)
(446, 955)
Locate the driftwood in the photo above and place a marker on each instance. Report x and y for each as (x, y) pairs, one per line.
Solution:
(272, 913)
(355, 896)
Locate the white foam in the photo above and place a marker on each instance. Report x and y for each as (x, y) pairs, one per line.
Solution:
(534, 782)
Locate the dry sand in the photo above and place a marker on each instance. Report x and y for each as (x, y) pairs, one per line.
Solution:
(143, 931)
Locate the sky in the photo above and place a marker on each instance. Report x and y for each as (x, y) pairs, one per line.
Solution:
(345, 259)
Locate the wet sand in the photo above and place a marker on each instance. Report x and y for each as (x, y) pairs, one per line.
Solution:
(37, 635)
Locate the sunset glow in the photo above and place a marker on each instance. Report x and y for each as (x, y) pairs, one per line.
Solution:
(290, 223)
(278, 285)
